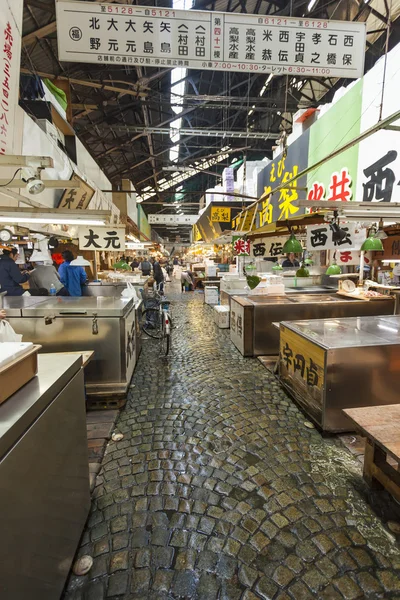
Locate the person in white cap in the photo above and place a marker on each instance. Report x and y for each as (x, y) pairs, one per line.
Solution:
(45, 275)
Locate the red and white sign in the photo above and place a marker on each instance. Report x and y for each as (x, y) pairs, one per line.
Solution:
(10, 57)
(346, 258)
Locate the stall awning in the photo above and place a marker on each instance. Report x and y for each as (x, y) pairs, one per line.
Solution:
(283, 227)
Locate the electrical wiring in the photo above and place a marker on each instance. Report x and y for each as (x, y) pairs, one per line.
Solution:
(12, 179)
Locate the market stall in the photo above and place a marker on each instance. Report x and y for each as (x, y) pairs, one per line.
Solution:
(108, 326)
(252, 317)
(44, 479)
(332, 364)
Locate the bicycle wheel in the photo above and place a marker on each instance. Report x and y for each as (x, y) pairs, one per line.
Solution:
(151, 323)
(165, 341)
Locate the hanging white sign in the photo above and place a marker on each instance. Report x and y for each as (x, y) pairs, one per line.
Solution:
(161, 219)
(102, 237)
(267, 247)
(319, 237)
(143, 35)
(346, 258)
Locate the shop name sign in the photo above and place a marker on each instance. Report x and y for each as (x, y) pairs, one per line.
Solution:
(268, 247)
(160, 219)
(102, 238)
(144, 35)
(319, 237)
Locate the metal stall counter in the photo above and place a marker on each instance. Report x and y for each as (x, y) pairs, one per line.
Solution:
(44, 479)
(113, 289)
(108, 326)
(252, 317)
(13, 305)
(332, 364)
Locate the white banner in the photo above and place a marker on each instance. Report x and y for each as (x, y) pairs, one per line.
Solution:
(161, 219)
(142, 35)
(350, 257)
(267, 247)
(319, 237)
(102, 237)
(10, 58)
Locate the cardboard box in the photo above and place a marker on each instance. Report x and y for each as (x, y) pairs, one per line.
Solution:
(221, 316)
(17, 373)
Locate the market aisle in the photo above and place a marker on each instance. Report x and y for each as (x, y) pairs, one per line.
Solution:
(218, 490)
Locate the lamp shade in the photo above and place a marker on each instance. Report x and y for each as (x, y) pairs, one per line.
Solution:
(333, 269)
(292, 245)
(79, 262)
(372, 243)
(39, 256)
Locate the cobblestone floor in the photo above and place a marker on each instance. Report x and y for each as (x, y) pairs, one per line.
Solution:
(218, 490)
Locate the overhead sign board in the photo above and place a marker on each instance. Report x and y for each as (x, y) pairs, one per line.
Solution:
(161, 219)
(102, 238)
(142, 35)
(78, 198)
(319, 237)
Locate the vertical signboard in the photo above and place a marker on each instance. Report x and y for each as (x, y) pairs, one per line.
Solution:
(10, 57)
(284, 204)
(337, 178)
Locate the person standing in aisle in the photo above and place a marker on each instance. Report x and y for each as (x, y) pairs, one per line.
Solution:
(145, 267)
(134, 264)
(158, 275)
(10, 276)
(72, 277)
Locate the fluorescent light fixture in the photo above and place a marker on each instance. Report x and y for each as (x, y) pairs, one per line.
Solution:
(311, 5)
(252, 110)
(44, 221)
(264, 87)
(53, 216)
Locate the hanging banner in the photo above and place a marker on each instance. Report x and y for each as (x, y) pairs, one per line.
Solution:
(161, 219)
(102, 237)
(347, 258)
(10, 58)
(270, 247)
(143, 35)
(319, 237)
(283, 204)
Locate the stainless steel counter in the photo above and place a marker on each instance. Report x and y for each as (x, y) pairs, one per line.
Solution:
(332, 364)
(106, 325)
(13, 305)
(44, 480)
(252, 317)
(227, 295)
(107, 288)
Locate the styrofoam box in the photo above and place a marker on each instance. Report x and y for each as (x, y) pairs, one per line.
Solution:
(221, 316)
(211, 294)
(211, 270)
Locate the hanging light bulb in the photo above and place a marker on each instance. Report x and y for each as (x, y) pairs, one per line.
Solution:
(372, 243)
(381, 233)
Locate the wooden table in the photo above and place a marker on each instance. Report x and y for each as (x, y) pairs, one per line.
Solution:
(381, 426)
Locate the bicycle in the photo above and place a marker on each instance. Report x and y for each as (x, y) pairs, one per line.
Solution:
(156, 319)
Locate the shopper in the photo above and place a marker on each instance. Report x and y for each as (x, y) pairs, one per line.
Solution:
(290, 261)
(72, 277)
(45, 276)
(10, 275)
(134, 264)
(145, 267)
(158, 275)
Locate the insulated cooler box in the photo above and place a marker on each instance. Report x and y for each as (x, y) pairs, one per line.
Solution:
(221, 316)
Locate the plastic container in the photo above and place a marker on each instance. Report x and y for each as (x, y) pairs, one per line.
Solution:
(53, 290)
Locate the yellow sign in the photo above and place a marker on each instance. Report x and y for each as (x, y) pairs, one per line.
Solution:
(247, 217)
(220, 214)
(196, 234)
(301, 360)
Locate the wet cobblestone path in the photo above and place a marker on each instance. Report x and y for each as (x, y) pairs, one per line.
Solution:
(218, 490)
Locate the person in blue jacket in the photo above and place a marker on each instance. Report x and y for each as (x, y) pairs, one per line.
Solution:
(10, 275)
(72, 277)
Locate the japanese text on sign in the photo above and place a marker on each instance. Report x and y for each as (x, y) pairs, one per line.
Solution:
(241, 246)
(220, 214)
(267, 247)
(7, 49)
(301, 359)
(78, 198)
(209, 40)
(339, 188)
(102, 238)
(320, 237)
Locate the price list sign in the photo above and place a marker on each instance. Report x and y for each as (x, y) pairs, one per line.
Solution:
(140, 35)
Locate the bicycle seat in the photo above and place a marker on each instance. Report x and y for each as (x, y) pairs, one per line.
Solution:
(166, 302)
